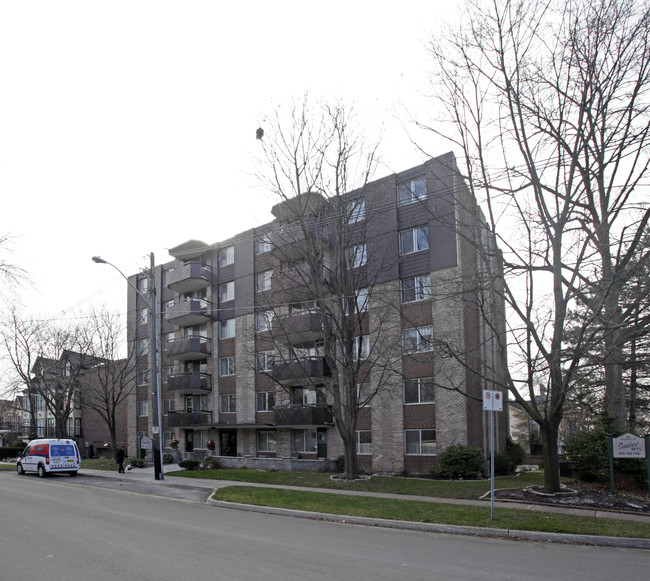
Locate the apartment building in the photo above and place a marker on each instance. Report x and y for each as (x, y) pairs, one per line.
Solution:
(250, 350)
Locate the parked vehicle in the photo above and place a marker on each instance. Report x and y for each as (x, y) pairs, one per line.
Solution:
(48, 456)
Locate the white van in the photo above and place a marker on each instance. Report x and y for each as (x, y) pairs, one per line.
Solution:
(46, 456)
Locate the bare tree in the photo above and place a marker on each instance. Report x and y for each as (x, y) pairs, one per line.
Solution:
(549, 104)
(10, 273)
(107, 386)
(318, 166)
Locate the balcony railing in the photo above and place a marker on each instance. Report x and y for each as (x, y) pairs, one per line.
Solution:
(189, 348)
(297, 283)
(189, 277)
(297, 328)
(310, 368)
(187, 419)
(303, 415)
(189, 312)
(191, 382)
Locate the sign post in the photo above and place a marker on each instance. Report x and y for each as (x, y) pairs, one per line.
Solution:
(492, 402)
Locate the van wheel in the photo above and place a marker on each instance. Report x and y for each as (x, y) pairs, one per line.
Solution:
(41, 471)
(73, 473)
(20, 469)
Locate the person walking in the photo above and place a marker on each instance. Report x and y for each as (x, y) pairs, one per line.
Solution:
(121, 455)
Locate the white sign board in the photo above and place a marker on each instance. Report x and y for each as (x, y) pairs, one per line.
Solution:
(492, 400)
(629, 446)
(146, 444)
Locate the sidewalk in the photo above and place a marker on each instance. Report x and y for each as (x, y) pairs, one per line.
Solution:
(147, 475)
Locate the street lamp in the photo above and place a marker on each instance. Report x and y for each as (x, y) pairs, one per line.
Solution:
(153, 316)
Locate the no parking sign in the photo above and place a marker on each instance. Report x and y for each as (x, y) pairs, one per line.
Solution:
(492, 400)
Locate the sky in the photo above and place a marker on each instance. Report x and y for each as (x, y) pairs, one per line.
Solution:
(128, 127)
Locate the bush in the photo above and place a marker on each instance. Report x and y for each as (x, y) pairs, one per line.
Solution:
(460, 461)
(138, 462)
(515, 452)
(340, 463)
(168, 458)
(189, 464)
(210, 463)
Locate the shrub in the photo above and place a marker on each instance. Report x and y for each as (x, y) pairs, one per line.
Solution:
(503, 464)
(515, 452)
(460, 461)
(340, 464)
(189, 464)
(168, 458)
(138, 462)
(210, 463)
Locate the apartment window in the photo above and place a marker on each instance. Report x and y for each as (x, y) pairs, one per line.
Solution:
(227, 292)
(142, 346)
(77, 427)
(364, 394)
(417, 288)
(264, 401)
(143, 408)
(263, 281)
(361, 302)
(227, 403)
(200, 439)
(357, 255)
(167, 339)
(166, 308)
(364, 442)
(142, 284)
(167, 439)
(420, 442)
(417, 339)
(414, 240)
(227, 329)
(419, 390)
(304, 440)
(77, 400)
(355, 210)
(197, 403)
(143, 377)
(168, 406)
(411, 191)
(263, 244)
(264, 360)
(361, 347)
(226, 256)
(266, 441)
(264, 320)
(165, 275)
(308, 396)
(227, 366)
(143, 316)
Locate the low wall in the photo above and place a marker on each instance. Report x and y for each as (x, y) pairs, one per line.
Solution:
(281, 464)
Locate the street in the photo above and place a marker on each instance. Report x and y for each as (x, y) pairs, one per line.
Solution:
(72, 529)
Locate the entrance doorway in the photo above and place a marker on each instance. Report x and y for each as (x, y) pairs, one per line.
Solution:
(228, 443)
(321, 443)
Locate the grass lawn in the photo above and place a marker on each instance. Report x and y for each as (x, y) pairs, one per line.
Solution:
(99, 464)
(428, 512)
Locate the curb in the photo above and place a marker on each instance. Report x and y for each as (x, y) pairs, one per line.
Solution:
(513, 534)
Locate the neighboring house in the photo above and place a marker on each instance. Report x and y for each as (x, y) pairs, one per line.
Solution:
(226, 391)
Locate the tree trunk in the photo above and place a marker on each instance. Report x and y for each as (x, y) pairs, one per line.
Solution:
(350, 466)
(549, 450)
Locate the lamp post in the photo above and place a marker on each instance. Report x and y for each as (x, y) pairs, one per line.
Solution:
(153, 316)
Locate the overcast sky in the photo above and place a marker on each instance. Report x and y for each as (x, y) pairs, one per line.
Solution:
(129, 127)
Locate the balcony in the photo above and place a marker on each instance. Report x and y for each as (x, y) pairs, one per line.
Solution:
(296, 284)
(189, 348)
(297, 328)
(190, 311)
(189, 277)
(191, 382)
(188, 419)
(303, 415)
(299, 239)
(312, 369)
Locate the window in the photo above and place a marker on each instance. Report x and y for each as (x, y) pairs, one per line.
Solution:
(168, 406)
(227, 291)
(143, 377)
(304, 440)
(143, 408)
(167, 339)
(264, 401)
(266, 441)
(364, 442)
(143, 316)
(167, 439)
(165, 275)
(355, 211)
(417, 339)
(364, 395)
(263, 244)
(226, 256)
(361, 347)
(308, 396)
(227, 329)
(264, 360)
(142, 284)
(264, 320)
(166, 308)
(361, 300)
(417, 288)
(200, 439)
(419, 390)
(142, 346)
(196, 403)
(263, 281)
(227, 366)
(77, 427)
(357, 255)
(414, 240)
(227, 403)
(420, 442)
(411, 191)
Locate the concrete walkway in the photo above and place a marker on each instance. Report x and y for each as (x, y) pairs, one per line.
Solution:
(147, 475)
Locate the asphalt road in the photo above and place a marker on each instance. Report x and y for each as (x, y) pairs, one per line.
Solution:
(77, 529)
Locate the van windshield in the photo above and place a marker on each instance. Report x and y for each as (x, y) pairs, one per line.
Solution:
(62, 450)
